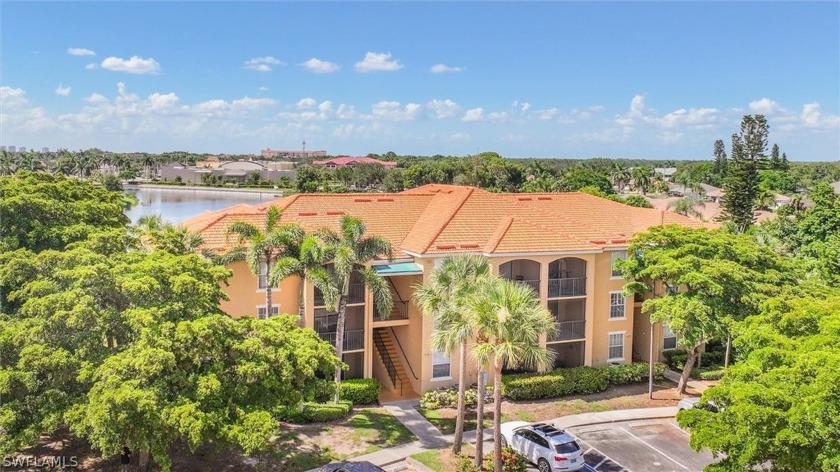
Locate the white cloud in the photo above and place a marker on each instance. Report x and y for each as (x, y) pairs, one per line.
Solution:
(134, 65)
(263, 88)
(443, 68)
(640, 114)
(305, 103)
(62, 90)
(12, 98)
(764, 106)
(91, 66)
(393, 111)
(459, 137)
(443, 108)
(546, 114)
(319, 67)
(80, 52)
(263, 64)
(522, 106)
(812, 117)
(378, 61)
(696, 117)
(477, 114)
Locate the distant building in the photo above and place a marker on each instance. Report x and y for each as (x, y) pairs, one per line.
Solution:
(22, 149)
(237, 171)
(269, 153)
(2, 148)
(45, 149)
(347, 161)
(708, 192)
(667, 172)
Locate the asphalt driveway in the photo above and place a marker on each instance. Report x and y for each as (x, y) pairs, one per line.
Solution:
(639, 446)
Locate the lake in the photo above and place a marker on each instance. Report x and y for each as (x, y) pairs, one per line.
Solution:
(178, 204)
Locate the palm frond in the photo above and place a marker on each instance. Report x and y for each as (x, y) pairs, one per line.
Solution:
(235, 254)
(383, 301)
(272, 217)
(352, 229)
(328, 284)
(244, 231)
(374, 246)
(284, 268)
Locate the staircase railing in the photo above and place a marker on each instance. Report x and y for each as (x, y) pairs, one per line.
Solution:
(399, 344)
(386, 359)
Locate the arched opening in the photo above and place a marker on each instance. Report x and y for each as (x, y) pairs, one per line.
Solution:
(523, 271)
(567, 278)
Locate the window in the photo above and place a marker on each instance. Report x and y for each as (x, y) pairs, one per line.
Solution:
(617, 256)
(275, 310)
(440, 365)
(669, 338)
(262, 277)
(617, 306)
(616, 346)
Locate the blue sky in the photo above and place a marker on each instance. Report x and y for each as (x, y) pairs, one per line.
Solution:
(650, 79)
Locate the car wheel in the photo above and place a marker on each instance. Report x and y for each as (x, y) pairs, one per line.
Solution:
(504, 442)
(542, 464)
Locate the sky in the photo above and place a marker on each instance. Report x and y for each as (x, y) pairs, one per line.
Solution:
(537, 79)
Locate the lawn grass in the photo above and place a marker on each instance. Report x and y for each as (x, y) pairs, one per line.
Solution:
(379, 429)
(431, 459)
(443, 460)
(444, 419)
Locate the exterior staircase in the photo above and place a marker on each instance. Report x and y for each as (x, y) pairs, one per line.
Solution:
(386, 346)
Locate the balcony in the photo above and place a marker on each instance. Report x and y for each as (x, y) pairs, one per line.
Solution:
(568, 331)
(567, 287)
(354, 339)
(398, 312)
(534, 284)
(356, 294)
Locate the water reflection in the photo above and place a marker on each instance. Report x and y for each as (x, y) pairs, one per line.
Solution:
(178, 204)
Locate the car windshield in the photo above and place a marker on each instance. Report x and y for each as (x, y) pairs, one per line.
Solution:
(567, 448)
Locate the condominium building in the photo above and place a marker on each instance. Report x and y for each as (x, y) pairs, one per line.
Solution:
(563, 245)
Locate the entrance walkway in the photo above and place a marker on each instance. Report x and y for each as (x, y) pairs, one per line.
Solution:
(406, 413)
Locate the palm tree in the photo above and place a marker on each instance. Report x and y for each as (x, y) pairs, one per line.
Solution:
(689, 182)
(687, 206)
(349, 250)
(641, 179)
(511, 322)
(302, 253)
(264, 246)
(445, 297)
(8, 166)
(620, 176)
(30, 161)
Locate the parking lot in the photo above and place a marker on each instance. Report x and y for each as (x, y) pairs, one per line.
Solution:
(639, 446)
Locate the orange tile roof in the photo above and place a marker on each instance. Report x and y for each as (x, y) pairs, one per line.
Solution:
(442, 219)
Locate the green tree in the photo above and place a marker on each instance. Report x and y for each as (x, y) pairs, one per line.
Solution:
(210, 380)
(638, 201)
(349, 249)
(641, 178)
(702, 281)
(301, 253)
(510, 323)
(620, 176)
(307, 179)
(775, 159)
(721, 164)
(741, 183)
(446, 297)
(778, 406)
(264, 246)
(577, 178)
(687, 206)
(43, 211)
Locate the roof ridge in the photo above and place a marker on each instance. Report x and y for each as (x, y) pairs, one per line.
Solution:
(448, 220)
(499, 234)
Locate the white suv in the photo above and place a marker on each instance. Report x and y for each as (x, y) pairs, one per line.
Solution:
(550, 448)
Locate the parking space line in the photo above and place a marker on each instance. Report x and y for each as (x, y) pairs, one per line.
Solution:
(592, 448)
(655, 449)
(679, 429)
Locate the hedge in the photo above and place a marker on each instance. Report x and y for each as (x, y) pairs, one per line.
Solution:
(708, 373)
(311, 412)
(574, 380)
(677, 358)
(447, 397)
(360, 391)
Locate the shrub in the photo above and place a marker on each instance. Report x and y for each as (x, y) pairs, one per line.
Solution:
(677, 358)
(360, 391)
(310, 412)
(708, 373)
(322, 391)
(535, 386)
(635, 372)
(447, 397)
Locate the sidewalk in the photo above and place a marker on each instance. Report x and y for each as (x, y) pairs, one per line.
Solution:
(698, 386)
(398, 453)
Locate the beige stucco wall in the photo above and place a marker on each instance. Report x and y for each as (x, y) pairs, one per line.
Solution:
(245, 296)
(414, 334)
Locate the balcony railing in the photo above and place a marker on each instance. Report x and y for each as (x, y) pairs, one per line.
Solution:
(569, 330)
(534, 284)
(356, 294)
(353, 339)
(398, 312)
(567, 287)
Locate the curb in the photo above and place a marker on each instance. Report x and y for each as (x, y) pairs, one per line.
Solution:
(417, 465)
